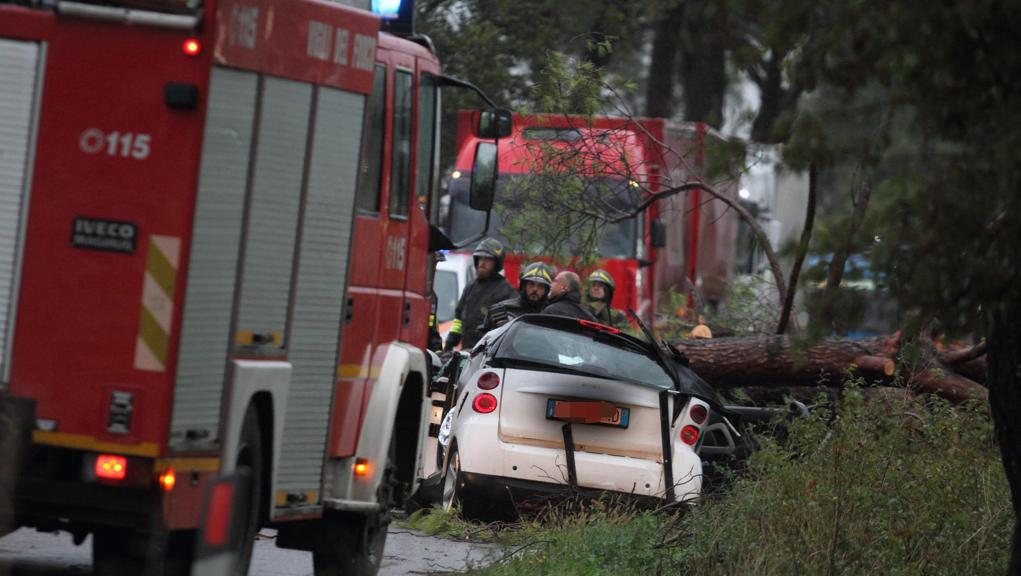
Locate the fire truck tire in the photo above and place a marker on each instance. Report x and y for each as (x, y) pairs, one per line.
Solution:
(251, 458)
(353, 543)
(124, 552)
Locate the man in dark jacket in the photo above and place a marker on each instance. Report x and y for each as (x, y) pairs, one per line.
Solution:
(533, 288)
(488, 288)
(565, 297)
(600, 297)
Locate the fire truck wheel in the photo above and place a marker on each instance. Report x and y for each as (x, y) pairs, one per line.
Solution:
(124, 552)
(353, 543)
(251, 458)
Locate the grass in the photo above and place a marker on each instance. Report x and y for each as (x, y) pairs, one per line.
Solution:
(880, 487)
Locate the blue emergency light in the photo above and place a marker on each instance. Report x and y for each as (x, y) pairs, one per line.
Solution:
(387, 9)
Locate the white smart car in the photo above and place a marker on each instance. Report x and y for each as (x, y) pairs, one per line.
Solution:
(548, 404)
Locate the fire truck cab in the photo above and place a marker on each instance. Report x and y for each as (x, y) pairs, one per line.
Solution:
(216, 226)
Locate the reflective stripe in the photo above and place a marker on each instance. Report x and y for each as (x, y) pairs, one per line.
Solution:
(157, 303)
(455, 328)
(83, 442)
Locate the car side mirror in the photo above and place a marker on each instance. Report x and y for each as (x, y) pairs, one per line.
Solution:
(483, 183)
(657, 234)
(494, 123)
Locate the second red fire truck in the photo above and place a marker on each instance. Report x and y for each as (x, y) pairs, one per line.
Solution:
(680, 239)
(216, 222)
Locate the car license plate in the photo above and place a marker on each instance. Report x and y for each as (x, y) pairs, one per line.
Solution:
(601, 413)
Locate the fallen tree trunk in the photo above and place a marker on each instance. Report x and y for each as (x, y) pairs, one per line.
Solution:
(773, 361)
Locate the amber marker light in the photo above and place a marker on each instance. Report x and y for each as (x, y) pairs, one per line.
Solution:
(191, 47)
(361, 466)
(167, 479)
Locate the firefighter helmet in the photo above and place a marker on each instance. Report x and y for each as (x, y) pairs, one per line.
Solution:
(489, 248)
(602, 276)
(538, 272)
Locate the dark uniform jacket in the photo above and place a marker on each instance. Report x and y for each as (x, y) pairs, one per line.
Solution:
(503, 312)
(475, 302)
(610, 317)
(568, 304)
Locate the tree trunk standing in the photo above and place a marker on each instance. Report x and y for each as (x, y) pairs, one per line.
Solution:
(659, 94)
(703, 62)
(1004, 383)
(774, 99)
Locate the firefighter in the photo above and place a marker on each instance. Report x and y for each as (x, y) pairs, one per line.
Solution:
(488, 288)
(533, 290)
(600, 297)
(565, 297)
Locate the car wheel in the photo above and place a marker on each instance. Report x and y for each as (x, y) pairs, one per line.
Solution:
(456, 493)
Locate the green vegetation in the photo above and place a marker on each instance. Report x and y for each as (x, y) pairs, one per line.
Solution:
(880, 487)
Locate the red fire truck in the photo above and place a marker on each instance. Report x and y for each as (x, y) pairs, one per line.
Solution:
(681, 236)
(215, 234)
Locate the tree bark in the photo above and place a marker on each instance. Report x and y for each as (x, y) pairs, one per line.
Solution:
(774, 361)
(1004, 382)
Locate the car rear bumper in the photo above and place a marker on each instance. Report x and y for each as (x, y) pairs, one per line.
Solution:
(523, 492)
(483, 454)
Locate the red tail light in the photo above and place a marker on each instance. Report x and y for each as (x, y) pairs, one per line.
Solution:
(689, 435)
(191, 47)
(111, 467)
(489, 380)
(484, 403)
(698, 413)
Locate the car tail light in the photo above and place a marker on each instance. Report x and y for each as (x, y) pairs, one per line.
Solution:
(111, 467)
(489, 380)
(484, 403)
(698, 413)
(689, 435)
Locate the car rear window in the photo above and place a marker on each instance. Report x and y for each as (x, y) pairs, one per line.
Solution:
(593, 354)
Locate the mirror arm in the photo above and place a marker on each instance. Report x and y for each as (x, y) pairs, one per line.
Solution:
(473, 239)
(458, 83)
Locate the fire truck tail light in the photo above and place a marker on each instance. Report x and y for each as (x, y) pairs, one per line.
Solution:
(111, 467)
(191, 47)
(361, 466)
(167, 479)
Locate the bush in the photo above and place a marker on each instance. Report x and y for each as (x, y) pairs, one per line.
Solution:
(880, 487)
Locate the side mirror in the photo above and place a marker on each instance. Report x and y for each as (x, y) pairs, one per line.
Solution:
(494, 123)
(483, 184)
(657, 234)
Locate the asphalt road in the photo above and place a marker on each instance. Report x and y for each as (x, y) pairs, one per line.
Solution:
(30, 553)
